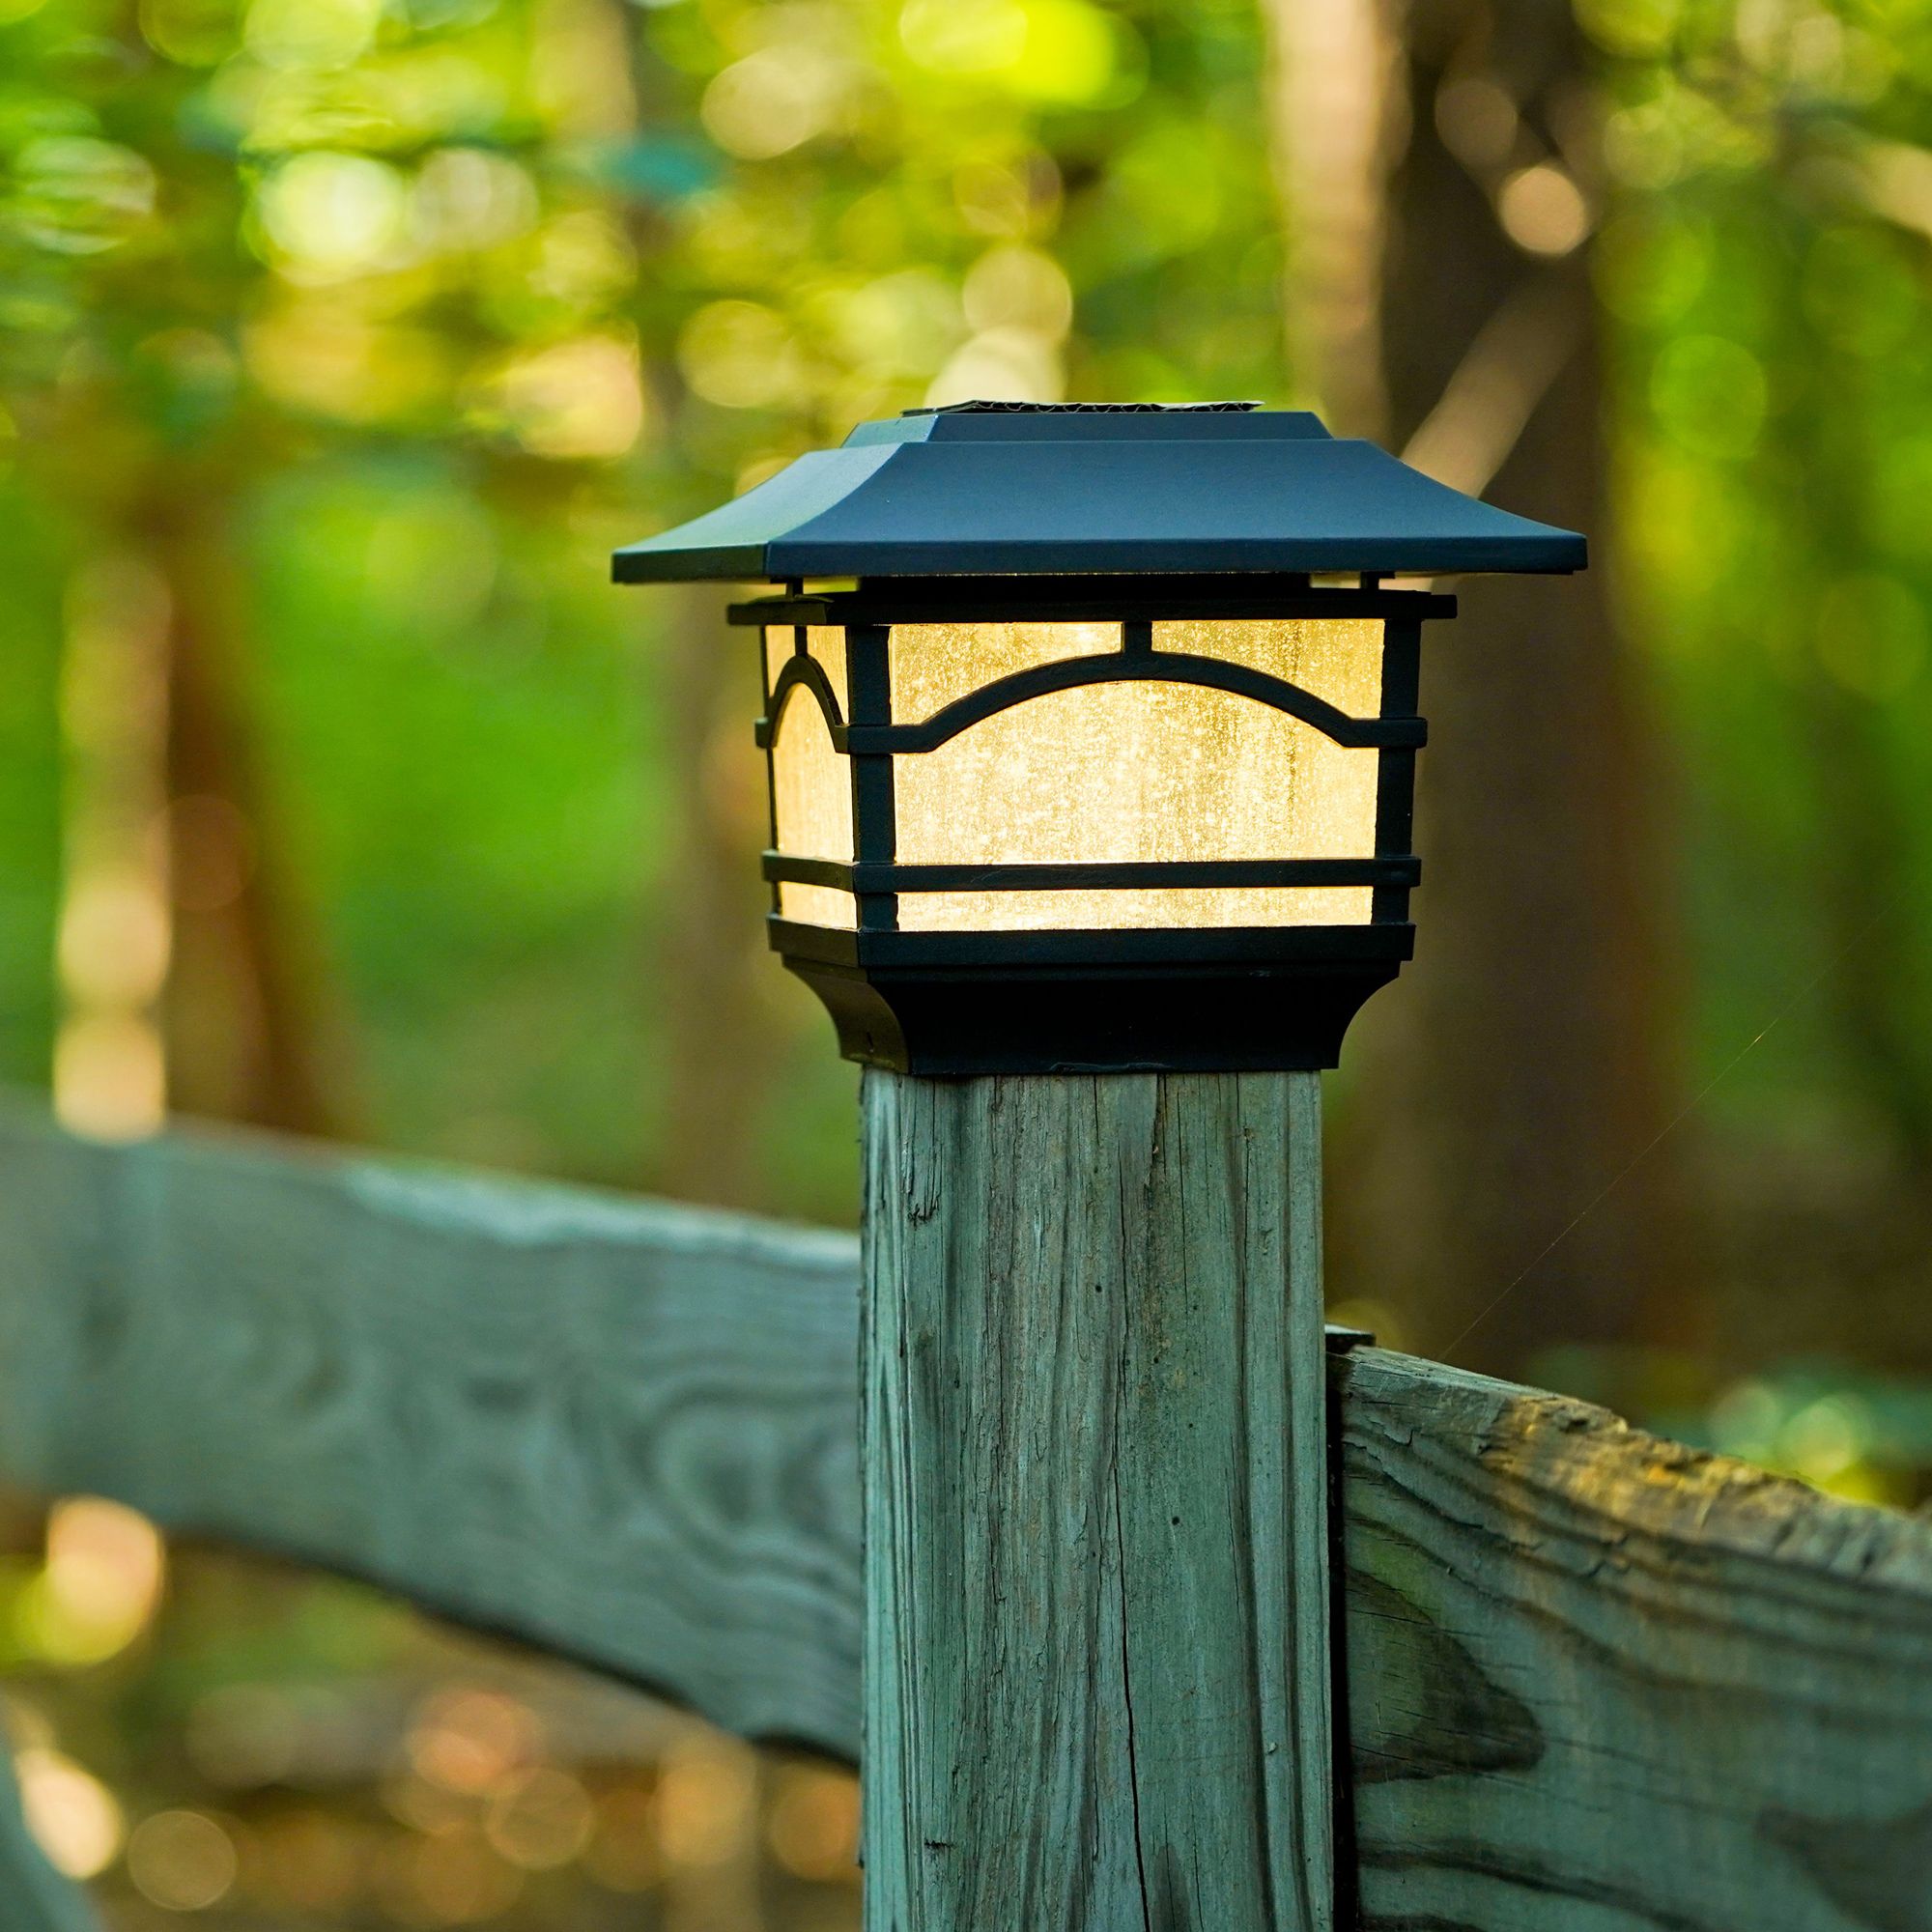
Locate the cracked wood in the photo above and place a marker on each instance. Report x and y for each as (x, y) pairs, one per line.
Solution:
(1597, 1681)
(1097, 1688)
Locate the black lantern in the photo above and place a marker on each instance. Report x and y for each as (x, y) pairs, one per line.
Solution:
(1100, 752)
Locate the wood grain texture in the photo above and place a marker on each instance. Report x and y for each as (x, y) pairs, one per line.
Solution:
(1596, 1683)
(1096, 1669)
(1601, 1683)
(624, 1431)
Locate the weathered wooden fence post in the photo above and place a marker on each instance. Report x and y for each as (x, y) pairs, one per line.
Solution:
(1097, 1596)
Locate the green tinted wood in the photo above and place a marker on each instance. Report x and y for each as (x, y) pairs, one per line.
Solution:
(1596, 1683)
(1601, 1683)
(1096, 1664)
(627, 1433)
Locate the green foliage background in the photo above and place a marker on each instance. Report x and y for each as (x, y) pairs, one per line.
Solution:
(367, 327)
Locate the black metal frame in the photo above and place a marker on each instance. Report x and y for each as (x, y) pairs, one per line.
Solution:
(1098, 1000)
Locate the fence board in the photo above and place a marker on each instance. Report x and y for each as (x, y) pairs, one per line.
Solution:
(1601, 1683)
(1596, 1683)
(623, 1431)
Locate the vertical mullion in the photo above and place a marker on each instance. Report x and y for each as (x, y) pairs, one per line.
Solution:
(770, 735)
(874, 827)
(1395, 771)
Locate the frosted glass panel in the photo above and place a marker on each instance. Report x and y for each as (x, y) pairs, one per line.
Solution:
(817, 905)
(811, 795)
(934, 664)
(1149, 772)
(1339, 659)
(827, 644)
(1177, 906)
(778, 647)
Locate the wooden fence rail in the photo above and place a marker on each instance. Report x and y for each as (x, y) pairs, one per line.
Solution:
(1594, 1681)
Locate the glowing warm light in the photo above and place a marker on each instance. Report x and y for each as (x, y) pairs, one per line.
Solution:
(1135, 771)
(183, 1861)
(811, 798)
(1132, 771)
(73, 1816)
(103, 1582)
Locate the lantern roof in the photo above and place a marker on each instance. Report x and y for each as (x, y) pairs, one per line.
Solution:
(1025, 488)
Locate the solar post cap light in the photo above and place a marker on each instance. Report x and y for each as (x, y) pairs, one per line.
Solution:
(1105, 759)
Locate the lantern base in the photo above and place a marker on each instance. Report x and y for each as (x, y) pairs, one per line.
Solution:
(1258, 999)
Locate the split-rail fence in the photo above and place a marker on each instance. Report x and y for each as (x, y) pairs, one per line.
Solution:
(1587, 1680)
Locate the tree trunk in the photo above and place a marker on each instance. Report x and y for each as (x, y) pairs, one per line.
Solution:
(1504, 1186)
(719, 1031)
(249, 1033)
(720, 1038)
(1332, 68)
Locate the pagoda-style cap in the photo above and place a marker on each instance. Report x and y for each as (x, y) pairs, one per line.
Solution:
(1024, 488)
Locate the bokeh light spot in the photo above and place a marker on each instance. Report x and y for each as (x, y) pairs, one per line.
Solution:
(73, 1817)
(76, 195)
(541, 1820)
(583, 399)
(312, 34)
(1543, 211)
(740, 354)
(103, 1582)
(774, 100)
(332, 216)
(182, 1860)
(1710, 393)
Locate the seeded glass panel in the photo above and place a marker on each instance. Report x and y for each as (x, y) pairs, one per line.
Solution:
(778, 647)
(811, 795)
(1149, 772)
(934, 664)
(1117, 909)
(1339, 659)
(827, 644)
